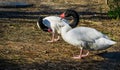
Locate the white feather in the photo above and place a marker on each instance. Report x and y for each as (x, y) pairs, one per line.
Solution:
(86, 37)
(54, 22)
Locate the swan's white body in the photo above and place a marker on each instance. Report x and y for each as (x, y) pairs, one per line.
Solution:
(54, 22)
(86, 38)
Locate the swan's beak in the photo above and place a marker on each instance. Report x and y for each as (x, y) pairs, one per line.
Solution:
(62, 15)
(49, 30)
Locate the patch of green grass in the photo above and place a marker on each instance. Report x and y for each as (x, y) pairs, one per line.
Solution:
(114, 13)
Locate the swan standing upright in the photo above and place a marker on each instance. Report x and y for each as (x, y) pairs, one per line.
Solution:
(85, 38)
(53, 23)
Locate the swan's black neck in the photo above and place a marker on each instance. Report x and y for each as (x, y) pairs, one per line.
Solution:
(41, 25)
(75, 16)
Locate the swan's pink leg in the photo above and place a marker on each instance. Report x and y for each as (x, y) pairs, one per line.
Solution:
(80, 55)
(53, 38)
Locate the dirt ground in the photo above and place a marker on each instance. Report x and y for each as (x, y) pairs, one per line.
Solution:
(23, 45)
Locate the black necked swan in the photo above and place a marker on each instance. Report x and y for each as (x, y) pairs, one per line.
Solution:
(53, 23)
(85, 38)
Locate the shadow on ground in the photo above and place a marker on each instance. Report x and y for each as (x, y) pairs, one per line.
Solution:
(6, 64)
(111, 55)
(32, 15)
(62, 65)
(111, 62)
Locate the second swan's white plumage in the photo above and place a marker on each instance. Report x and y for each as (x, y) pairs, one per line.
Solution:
(53, 23)
(85, 38)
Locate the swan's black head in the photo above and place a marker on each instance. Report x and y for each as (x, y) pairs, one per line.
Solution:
(73, 14)
(70, 12)
(42, 26)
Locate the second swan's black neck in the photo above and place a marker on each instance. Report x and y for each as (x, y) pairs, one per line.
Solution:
(74, 15)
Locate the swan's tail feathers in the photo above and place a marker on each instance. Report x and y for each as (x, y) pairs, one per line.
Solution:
(109, 42)
(112, 42)
(104, 43)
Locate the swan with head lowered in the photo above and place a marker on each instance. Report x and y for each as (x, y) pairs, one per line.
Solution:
(53, 23)
(85, 38)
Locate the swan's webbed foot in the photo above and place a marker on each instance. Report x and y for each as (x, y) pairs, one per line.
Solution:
(54, 40)
(81, 56)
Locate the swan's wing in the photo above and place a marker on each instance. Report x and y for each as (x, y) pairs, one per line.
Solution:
(54, 23)
(52, 20)
(65, 21)
(85, 34)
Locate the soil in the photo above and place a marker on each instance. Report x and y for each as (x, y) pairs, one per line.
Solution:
(23, 46)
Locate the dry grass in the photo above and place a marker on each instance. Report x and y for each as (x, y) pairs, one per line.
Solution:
(25, 45)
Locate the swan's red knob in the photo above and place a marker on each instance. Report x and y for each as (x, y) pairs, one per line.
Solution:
(62, 15)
